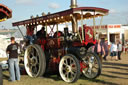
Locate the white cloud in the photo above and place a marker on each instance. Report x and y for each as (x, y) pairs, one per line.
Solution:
(53, 5)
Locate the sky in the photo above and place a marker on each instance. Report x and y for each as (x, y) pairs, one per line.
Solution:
(23, 9)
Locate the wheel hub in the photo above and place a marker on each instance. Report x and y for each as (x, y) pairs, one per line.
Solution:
(68, 69)
(34, 61)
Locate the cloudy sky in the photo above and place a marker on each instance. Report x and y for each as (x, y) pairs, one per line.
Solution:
(23, 9)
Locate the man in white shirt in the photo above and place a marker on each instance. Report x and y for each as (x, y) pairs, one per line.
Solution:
(113, 50)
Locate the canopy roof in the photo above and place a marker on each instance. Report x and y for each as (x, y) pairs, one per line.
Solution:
(5, 13)
(64, 16)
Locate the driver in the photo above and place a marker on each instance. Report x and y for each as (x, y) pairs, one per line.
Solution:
(30, 31)
(41, 37)
(41, 34)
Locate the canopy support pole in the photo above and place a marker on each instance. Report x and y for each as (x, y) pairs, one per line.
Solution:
(36, 28)
(82, 25)
(101, 21)
(57, 29)
(20, 31)
(52, 28)
(46, 29)
(74, 24)
(94, 25)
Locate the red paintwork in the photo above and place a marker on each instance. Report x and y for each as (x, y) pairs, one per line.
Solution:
(89, 38)
(53, 64)
(77, 44)
(42, 42)
(89, 30)
(82, 66)
(56, 60)
(59, 43)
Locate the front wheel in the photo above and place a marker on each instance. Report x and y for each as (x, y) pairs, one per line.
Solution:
(93, 65)
(69, 68)
(1, 76)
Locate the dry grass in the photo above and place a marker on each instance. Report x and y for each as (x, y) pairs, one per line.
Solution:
(113, 73)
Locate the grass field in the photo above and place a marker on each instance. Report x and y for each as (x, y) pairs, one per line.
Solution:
(113, 73)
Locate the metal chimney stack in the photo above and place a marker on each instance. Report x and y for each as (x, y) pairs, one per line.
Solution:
(73, 4)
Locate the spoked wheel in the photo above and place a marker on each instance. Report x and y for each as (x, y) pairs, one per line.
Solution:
(34, 61)
(69, 68)
(93, 65)
(1, 76)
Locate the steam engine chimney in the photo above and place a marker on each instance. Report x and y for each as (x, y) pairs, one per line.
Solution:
(73, 4)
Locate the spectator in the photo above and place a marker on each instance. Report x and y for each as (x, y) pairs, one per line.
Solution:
(126, 47)
(99, 49)
(113, 50)
(119, 46)
(13, 60)
(105, 45)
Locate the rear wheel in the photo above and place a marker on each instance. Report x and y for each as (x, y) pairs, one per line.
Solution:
(69, 68)
(34, 61)
(1, 76)
(93, 65)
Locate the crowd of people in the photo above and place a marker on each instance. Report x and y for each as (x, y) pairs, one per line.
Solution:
(102, 49)
(115, 50)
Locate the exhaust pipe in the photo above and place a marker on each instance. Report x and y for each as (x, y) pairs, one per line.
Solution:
(74, 20)
(73, 4)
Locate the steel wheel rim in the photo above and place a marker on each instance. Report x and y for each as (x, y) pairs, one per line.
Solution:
(92, 66)
(31, 61)
(68, 69)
